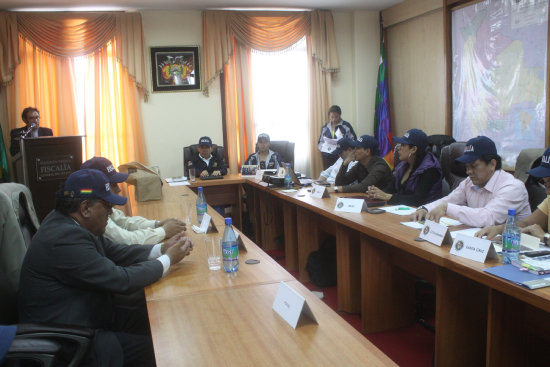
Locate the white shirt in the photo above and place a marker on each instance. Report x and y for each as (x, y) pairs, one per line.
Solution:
(132, 230)
(331, 172)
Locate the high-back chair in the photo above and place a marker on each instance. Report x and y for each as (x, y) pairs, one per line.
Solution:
(527, 159)
(453, 173)
(192, 150)
(285, 149)
(437, 142)
(37, 338)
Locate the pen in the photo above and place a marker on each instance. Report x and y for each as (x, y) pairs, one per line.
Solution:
(403, 208)
(530, 267)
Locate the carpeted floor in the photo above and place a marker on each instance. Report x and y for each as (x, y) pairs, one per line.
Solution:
(412, 346)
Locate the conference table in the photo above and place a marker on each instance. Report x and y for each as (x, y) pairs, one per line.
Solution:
(480, 319)
(200, 317)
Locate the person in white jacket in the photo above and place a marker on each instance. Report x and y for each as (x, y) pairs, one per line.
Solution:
(127, 230)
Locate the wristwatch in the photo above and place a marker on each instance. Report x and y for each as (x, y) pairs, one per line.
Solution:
(546, 238)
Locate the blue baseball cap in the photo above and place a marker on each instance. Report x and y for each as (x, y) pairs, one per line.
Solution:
(476, 148)
(205, 140)
(367, 142)
(544, 169)
(343, 145)
(90, 184)
(104, 165)
(414, 137)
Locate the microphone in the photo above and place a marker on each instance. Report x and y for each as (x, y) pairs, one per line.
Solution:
(31, 128)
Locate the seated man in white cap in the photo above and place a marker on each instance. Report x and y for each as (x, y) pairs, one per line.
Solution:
(131, 230)
(484, 197)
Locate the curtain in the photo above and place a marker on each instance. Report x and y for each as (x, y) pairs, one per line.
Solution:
(225, 31)
(48, 45)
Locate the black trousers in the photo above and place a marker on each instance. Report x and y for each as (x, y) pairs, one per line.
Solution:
(129, 344)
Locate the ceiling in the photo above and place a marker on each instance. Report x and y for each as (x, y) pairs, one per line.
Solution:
(112, 5)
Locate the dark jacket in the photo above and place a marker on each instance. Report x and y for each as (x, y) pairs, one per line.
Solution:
(273, 160)
(423, 185)
(15, 136)
(69, 275)
(377, 173)
(213, 165)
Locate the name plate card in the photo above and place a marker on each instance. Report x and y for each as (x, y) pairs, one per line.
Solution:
(290, 305)
(435, 233)
(319, 191)
(207, 226)
(259, 175)
(473, 248)
(350, 205)
(240, 242)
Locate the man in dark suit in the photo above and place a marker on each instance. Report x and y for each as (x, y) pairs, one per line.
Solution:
(71, 273)
(32, 129)
(205, 163)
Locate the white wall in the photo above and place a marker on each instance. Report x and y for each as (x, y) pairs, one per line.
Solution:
(174, 120)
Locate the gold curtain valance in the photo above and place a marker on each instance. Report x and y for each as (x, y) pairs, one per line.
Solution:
(265, 31)
(76, 34)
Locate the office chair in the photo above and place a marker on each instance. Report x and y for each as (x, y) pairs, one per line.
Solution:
(527, 159)
(437, 142)
(44, 339)
(285, 149)
(192, 150)
(453, 173)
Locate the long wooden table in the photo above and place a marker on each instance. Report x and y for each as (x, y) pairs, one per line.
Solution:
(200, 317)
(480, 319)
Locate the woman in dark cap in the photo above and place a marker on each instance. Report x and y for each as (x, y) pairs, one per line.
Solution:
(264, 157)
(417, 177)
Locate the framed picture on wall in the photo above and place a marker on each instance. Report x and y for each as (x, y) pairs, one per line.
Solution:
(175, 69)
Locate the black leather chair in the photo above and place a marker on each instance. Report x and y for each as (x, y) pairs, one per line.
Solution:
(527, 159)
(437, 142)
(192, 150)
(453, 173)
(285, 149)
(39, 342)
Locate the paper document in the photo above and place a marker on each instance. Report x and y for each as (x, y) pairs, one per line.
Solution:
(328, 145)
(180, 183)
(467, 232)
(399, 209)
(415, 225)
(449, 222)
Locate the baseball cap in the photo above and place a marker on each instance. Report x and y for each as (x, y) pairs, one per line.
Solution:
(264, 136)
(205, 140)
(476, 148)
(544, 169)
(104, 165)
(343, 145)
(367, 142)
(414, 137)
(90, 183)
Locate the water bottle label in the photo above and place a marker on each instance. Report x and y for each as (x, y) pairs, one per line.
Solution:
(230, 251)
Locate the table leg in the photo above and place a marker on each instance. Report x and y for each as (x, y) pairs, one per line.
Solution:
(349, 269)
(461, 320)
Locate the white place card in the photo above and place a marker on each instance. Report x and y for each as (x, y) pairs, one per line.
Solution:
(529, 241)
(240, 242)
(319, 191)
(290, 305)
(473, 248)
(205, 222)
(350, 205)
(435, 233)
(259, 174)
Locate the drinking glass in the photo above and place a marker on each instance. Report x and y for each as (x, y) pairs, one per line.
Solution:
(192, 174)
(213, 252)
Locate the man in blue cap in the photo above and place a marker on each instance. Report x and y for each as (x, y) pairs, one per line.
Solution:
(370, 170)
(71, 273)
(205, 163)
(344, 148)
(126, 230)
(484, 197)
(538, 223)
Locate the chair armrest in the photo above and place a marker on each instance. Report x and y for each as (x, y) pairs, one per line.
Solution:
(33, 345)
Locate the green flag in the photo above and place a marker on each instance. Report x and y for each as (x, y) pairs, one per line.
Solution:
(4, 171)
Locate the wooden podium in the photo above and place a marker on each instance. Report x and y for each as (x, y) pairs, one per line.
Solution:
(44, 164)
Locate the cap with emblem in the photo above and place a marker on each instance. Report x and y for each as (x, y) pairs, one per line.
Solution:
(104, 165)
(476, 148)
(205, 140)
(90, 183)
(367, 142)
(414, 137)
(544, 169)
(344, 144)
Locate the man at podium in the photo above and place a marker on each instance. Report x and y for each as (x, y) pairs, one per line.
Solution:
(32, 129)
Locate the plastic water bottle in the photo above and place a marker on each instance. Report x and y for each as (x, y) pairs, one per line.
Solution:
(201, 205)
(288, 177)
(511, 238)
(230, 249)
